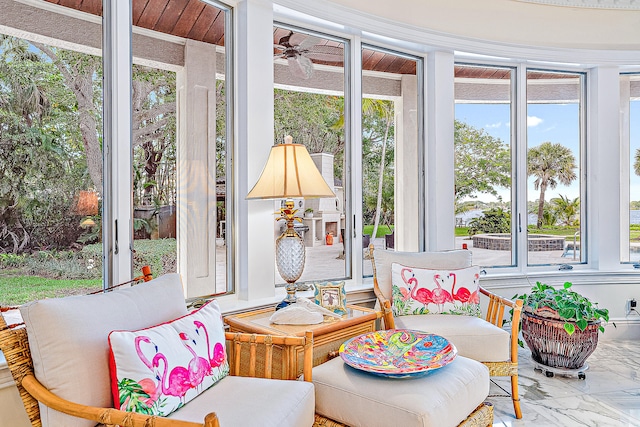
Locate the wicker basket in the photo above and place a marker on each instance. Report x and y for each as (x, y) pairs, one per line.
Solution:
(552, 346)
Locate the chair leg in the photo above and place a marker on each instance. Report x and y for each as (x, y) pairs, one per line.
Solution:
(515, 396)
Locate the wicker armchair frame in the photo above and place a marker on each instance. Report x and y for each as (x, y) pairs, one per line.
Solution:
(497, 309)
(14, 343)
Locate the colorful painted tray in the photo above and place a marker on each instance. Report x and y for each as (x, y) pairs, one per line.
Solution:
(398, 353)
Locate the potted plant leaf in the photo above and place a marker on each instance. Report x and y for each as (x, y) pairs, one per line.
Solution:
(561, 326)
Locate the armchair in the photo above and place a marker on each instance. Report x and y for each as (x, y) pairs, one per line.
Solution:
(59, 362)
(483, 340)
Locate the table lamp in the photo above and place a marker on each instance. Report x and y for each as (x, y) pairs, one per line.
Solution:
(290, 173)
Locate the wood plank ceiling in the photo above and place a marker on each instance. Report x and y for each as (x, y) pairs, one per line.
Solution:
(196, 20)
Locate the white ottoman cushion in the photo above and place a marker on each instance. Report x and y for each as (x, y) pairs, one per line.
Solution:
(443, 398)
(474, 338)
(276, 403)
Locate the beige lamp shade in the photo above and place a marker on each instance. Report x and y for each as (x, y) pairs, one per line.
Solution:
(290, 173)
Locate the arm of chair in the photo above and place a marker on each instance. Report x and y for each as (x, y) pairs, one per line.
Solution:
(496, 313)
(385, 304)
(108, 416)
(268, 341)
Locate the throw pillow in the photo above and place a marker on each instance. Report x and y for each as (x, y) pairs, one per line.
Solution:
(158, 369)
(332, 296)
(426, 291)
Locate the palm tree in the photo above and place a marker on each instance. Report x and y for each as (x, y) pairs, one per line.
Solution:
(551, 164)
(567, 209)
(636, 163)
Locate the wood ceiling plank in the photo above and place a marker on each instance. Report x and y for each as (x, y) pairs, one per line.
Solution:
(189, 17)
(151, 14)
(204, 22)
(170, 15)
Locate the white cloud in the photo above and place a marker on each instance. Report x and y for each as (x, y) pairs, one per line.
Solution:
(533, 121)
(493, 125)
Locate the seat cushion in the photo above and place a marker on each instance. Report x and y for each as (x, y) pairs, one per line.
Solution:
(441, 260)
(253, 402)
(474, 338)
(443, 398)
(68, 339)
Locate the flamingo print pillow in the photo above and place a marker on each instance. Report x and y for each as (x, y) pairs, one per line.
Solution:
(426, 291)
(157, 370)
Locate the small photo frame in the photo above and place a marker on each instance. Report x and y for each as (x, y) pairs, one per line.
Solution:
(332, 296)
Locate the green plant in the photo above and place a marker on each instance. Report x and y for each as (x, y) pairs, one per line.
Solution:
(493, 220)
(573, 308)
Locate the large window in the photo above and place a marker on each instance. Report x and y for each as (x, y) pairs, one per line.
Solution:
(50, 164)
(630, 194)
(391, 128)
(309, 104)
(555, 159)
(483, 134)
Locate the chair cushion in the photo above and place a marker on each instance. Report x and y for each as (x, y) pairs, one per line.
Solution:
(253, 402)
(159, 369)
(426, 291)
(474, 338)
(441, 260)
(68, 339)
(443, 398)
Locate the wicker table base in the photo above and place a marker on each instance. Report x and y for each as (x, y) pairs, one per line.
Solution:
(481, 417)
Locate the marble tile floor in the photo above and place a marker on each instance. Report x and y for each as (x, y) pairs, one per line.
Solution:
(609, 396)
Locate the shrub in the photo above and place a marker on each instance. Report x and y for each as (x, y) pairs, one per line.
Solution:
(494, 220)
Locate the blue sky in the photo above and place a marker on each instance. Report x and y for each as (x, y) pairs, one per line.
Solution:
(557, 123)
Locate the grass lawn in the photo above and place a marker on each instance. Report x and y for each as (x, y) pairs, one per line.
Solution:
(15, 290)
(382, 230)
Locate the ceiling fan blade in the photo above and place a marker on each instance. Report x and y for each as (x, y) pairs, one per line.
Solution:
(300, 67)
(325, 53)
(307, 42)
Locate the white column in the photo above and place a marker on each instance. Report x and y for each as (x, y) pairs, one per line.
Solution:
(117, 212)
(439, 107)
(196, 165)
(255, 253)
(407, 174)
(603, 163)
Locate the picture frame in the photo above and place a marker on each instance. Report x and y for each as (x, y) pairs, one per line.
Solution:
(332, 296)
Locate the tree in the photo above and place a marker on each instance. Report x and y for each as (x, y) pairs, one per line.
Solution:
(384, 111)
(482, 162)
(551, 164)
(567, 210)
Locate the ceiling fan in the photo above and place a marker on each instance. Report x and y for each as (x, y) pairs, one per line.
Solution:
(300, 54)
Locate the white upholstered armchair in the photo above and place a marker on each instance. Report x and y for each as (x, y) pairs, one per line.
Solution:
(485, 340)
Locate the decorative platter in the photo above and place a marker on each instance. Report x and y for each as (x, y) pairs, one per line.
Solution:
(398, 353)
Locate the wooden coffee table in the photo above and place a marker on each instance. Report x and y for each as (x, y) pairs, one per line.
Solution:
(327, 336)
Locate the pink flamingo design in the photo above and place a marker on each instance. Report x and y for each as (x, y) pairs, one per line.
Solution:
(422, 295)
(179, 379)
(148, 385)
(474, 298)
(440, 295)
(462, 295)
(198, 366)
(217, 358)
(141, 355)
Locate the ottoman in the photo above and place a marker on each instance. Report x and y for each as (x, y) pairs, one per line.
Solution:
(443, 398)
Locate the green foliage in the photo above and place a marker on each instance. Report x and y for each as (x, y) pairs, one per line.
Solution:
(482, 162)
(133, 397)
(493, 220)
(572, 307)
(551, 164)
(383, 230)
(52, 273)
